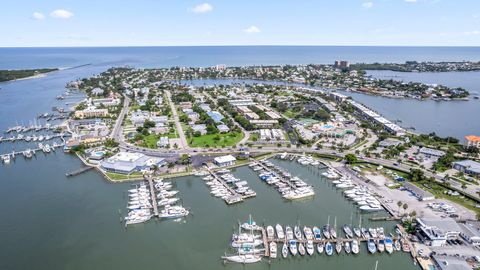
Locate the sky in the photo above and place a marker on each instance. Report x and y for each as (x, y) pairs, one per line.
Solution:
(59, 23)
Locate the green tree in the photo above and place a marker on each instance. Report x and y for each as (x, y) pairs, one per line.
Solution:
(350, 158)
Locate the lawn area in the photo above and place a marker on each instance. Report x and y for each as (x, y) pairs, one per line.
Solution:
(290, 114)
(214, 140)
(150, 141)
(119, 177)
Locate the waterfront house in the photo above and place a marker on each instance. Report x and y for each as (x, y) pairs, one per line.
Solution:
(468, 166)
(222, 161)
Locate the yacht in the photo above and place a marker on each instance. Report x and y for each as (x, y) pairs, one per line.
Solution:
(338, 246)
(397, 245)
(357, 232)
(310, 247)
(250, 225)
(307, 231)
(298, 232)
(247, 258)
(289, 233)
(173, 212)
(273, 250)
(347, 247)
(326, 231)
(317, 233)
(348, 231)
(270, 233)
(381, 245)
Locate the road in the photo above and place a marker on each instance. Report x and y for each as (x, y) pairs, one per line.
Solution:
(117, 129)
(183, 139)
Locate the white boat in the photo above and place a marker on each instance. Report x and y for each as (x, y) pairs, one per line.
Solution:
(284, 250)
(279, 230)
(247, 258)
(289, 233)
(301, 249)
(389, 245)
(381, 245)
(370, 208)
(320, 247)
(307, 231)
(329, 248)
(173, 212)
(292, 245)
(355, 246)
(273, 250)
(6, 159)
(250, 225)
(298, 232)
(310, 247)
(338, 246)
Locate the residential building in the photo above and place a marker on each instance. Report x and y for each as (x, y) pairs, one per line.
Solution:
(216, 116)
(163, 142)
(243, 109)
(241, 102)
(107, 102)
(222, 161)
(202, 128)
(468, 166)
(264, 123)
(252, 116)
(223, 128)
(472, 141)
(91, 113)
(273, 115)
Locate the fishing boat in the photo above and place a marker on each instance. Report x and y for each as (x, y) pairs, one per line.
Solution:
(372, 248)
(301, 249)
(320, 247)
(338, 246)
(355, 246)
(279, 230)
(289, 233)
(297, 232)
(347, 247)
(329, 248)
(270, 233)
(273, 250)
(292, 245)
(389, 245)
(284, 250)
(381, 245)
(310, 247)
(247, 258)
(317, 233)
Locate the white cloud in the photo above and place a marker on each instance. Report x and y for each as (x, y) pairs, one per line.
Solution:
(38, 16)
(61, 14)
(367, 4)
(472, 33)
(252, 30)
(411, 1)
(202, 8)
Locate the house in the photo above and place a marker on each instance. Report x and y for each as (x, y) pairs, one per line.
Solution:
(243, 109)
(264, 123)
(163, 142)
(216, 116)
(422, 195)
(97, 91)
(127, 163)
(185, 105)
(223, 128)
(222, 161)
(468, 166)
(472, 141)
(273, 115)
(252, 116)
(162, 119)
(107, 102)
(202, 128)
(438, 231)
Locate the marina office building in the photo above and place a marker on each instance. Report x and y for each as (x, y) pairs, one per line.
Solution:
(468, 166)
(438, 231)
(127, 163)
(223, 161)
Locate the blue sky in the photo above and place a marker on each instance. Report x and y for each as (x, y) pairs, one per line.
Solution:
(234, 22)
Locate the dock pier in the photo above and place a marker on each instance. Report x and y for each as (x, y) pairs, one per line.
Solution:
(152, 195)
(79, 171)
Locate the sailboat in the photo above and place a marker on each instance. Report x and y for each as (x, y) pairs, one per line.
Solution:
(333, 230)
(338, 246)
(247, 258)
(347, 247)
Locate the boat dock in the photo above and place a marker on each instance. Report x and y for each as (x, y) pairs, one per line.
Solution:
(152, 195)
(79, 171)
(235, 196)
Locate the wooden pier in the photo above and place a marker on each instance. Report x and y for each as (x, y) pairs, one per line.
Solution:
(152, 195)
(79, 171)
(236, 197)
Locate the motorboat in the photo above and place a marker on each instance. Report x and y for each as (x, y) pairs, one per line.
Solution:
(355, 246)
(317, 233)
(285, 250)
(307, 231)
(347, 247)
(173, 212)
(397, 245)
(320, 247)
(348, 231)
(167, 201)
(279, 230)
(381, 245)
(292, 245)
(273, 250)
(250, 225)
(357, 232)
(389, 245)
(247, 258)
(372, 248)
(338, 246)
(301, 249)
(310, 247)
(298, 232)
(329, 248)
(289, 233)
(270, 233)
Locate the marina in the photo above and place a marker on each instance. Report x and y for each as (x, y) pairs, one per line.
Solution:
(224, 185)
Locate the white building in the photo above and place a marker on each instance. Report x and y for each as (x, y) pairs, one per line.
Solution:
(224, 160)
(438, 231)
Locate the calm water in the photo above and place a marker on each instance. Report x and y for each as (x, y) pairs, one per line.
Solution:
(51, 222)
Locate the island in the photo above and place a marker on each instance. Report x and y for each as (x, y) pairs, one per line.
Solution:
(10, 75)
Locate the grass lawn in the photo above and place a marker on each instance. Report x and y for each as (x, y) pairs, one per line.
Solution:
(290, 114)
(150, 141)
(253, 137)
(210, 140)
(119, 177)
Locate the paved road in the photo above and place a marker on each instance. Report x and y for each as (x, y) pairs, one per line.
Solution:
(183, 139)
(117, 129)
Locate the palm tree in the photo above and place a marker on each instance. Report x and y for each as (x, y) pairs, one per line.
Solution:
(399, 204)
(405, 206)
